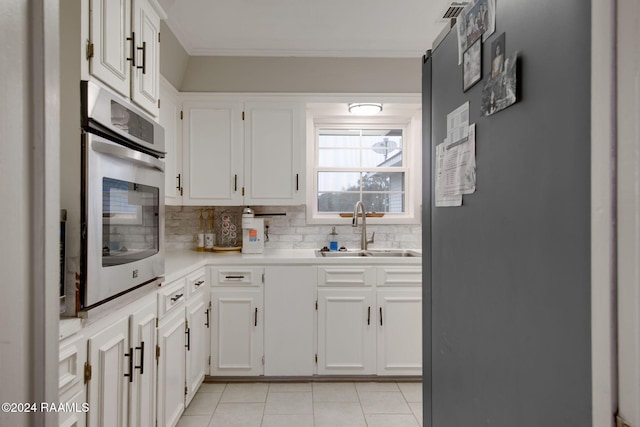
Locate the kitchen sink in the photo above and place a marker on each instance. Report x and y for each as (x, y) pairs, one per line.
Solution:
(382, 253)
(340, 254)
(392, 253)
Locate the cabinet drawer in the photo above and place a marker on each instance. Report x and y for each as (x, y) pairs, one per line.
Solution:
(399, 276)
(171, 296)
(346, 276)
(234, 276)
(196, 282)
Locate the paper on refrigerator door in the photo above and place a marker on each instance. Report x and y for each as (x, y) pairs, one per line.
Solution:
(443, 200)
(455, 170)
(461, 163)
(458, 124)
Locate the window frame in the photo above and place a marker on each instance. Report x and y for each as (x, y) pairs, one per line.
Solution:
(411, 152)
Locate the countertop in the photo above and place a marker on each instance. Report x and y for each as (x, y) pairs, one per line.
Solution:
(179, 263)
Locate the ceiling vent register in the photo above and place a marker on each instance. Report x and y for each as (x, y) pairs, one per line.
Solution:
(453, 9)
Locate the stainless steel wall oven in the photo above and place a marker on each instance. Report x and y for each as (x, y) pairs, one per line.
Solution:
(122, 196)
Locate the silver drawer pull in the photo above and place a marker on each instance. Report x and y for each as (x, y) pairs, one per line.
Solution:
(234, 277)
(176, 297)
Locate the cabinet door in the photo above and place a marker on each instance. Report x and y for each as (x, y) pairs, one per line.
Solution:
(109, 355)
(145, 81)
(212, 153)
(274, 150)
(172, 124)
(109, 32)
(346, 332)
(197, 343)
(288, 320)
(171, 368)
(399, 323)
(237, 332)
(142, 389)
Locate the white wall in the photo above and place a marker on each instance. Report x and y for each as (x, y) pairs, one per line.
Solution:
(29, 164)
(14, 245)
(628, 112)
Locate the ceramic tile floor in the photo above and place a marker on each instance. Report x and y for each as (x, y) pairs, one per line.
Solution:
(318, 404)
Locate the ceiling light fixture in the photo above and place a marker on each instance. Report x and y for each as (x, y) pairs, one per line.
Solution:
(365, 108)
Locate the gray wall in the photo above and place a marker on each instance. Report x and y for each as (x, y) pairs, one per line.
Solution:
(284, 74)
(318, 75)
(173, 58)
(509, 284)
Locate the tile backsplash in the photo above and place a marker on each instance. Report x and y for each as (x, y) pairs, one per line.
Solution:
(289, 231)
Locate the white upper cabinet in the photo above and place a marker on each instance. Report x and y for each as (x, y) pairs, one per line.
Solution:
(145, 80)
(123, 48)
(241, 153)
(212, 154)
(110, 49)
(170, 121)
(273, 153)
(238, 152)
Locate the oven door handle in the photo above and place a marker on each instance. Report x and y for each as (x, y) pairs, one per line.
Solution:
(122, 152)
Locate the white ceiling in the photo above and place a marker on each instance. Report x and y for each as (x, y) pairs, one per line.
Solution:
(320, 28)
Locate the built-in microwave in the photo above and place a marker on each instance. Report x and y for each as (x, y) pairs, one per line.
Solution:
(122, 197)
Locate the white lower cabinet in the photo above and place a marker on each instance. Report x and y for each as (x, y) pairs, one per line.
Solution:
(197, 355)
(289, 340)
(399, 338)
(369, 322)
(109, 364)
(171, 367)
(142, 382)
(120, 369)
(237, 332)
(346, 332)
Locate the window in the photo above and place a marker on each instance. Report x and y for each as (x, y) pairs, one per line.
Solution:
(368, 162)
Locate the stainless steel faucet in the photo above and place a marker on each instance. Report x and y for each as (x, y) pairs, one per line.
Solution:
(354, 223)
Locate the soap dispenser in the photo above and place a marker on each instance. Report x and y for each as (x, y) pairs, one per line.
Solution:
(333, 240)
(200, 234)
